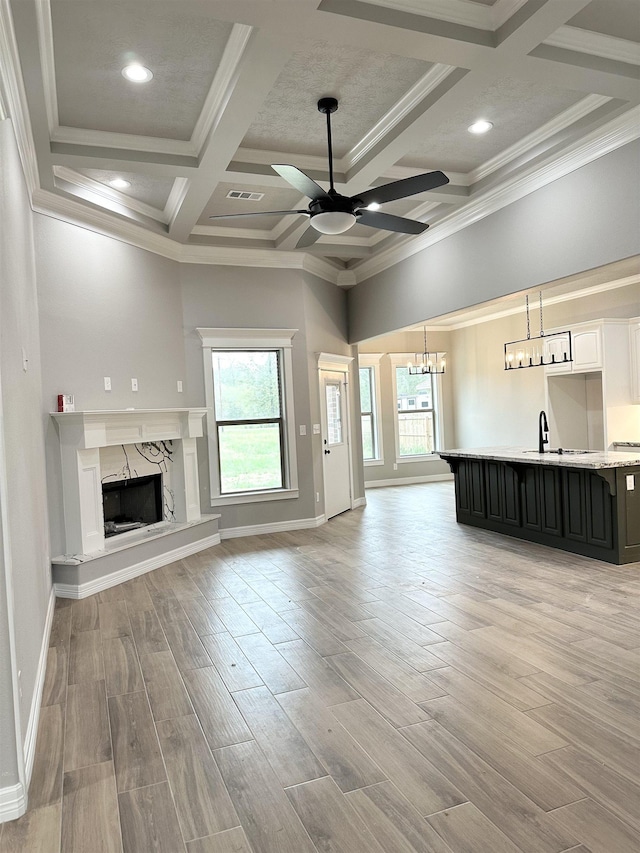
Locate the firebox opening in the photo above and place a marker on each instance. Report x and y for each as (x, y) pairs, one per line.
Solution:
(129, 504)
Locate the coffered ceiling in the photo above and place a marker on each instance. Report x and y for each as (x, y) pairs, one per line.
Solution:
(235, 86)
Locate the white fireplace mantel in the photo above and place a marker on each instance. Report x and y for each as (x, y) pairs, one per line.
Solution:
(82, 434)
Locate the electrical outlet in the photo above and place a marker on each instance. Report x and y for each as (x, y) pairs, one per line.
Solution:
(395, 466)
(316, 429)
(25, 360)
(134, 384)
(107, 383)
(179, 383)
(303, 429)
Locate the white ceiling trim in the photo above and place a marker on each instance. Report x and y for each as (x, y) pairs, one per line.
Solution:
(222, 231)
(546, 131)
(410, 100)
(548, 300)
(125, 141)
(14, 98)
(45, 43)
(222, 84)
(595, 44)
(618, 132)
(176, 197)
(457, 11)
(101, 190)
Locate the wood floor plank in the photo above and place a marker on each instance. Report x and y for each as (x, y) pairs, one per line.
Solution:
(149, 821)
(90, 819)
(347, 763)
(61, 624)
(394, 706)
(467, 830)
(84, 615)
(329, 819)
(533, 737)
(186, 645)
(147, 632)
(394, 822)
(417, 778)
(85, 656)
(597, 828)
(87, 734)
(266, 814)
(279, 739)
(136, 595)
(269, 664)
(121, 666)
(415, 631)
(167, 694)
(317, 673)
(313, 632)
(547, 789)
(231, 662)
(527, 825)
(136, 754)
(54, 691)
(332, 620)
(202, 616)
(114, 620)
(37, 831)
(221, 721)
(45, 788)
(416, 656)
(201, 798)
(233, 617)
(272, 625)
(230, 841)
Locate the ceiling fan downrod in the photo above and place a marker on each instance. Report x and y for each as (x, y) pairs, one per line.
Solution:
(328, 106)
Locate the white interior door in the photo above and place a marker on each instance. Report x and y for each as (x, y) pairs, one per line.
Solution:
(335, 443)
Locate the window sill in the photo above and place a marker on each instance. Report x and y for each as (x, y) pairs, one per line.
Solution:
(254, 497)
(370, 463)
(426, 457)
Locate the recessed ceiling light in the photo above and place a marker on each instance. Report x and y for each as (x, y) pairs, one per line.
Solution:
(373, 206)
(120, 183)
(480, 126)
(136, 73)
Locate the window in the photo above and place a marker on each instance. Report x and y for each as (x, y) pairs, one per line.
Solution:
(251, 431)
(417, 416)
(370, 407)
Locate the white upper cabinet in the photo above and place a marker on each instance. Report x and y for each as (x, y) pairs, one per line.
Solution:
(586, 343)
(634, 347)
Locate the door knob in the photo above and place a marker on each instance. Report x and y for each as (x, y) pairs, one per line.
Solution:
(327, 451)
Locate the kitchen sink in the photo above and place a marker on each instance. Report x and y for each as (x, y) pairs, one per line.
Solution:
(562, 452)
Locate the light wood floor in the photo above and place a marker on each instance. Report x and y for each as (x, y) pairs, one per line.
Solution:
(388, 683)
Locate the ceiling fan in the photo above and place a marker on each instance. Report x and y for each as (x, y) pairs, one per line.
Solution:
(332, 213)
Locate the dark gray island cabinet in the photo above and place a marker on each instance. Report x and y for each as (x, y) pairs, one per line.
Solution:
(585, 503)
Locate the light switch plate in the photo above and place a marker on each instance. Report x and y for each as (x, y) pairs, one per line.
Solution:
(107, 383)
(631, 482)
(179, 386)
(303, 429)
(316, 429)
(134, 384)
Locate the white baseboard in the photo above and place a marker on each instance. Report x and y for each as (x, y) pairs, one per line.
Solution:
(31, 734)
(274, 527)
(358, 502)
(407, 481)
(66, 590)
(13, 803)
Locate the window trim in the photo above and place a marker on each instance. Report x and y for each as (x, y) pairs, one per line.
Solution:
(252, 339)
(372, 360)
(400, 359)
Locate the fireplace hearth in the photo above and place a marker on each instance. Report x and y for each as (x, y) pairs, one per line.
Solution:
(131, 503)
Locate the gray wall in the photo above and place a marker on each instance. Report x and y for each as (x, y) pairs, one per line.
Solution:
(583, 220)
(25, 560)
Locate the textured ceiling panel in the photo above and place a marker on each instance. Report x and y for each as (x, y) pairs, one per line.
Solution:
(515, 107)
(275, 198)
(94, 41)
(367, 85)
(152, 191)
(618, 18)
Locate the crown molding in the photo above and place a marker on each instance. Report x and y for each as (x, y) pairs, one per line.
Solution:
(44, 26)
(618, 132)
(595, 44)
(457, 11)
(223, 80)
(103, 191)
(176, 197)
(558, 123)
(14, 97)
(410, 100)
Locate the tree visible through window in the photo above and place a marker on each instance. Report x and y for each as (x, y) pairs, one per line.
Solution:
(249, 419)
(415, 413)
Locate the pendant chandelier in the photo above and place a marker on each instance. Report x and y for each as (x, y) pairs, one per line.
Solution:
(540, 350)
(427, 362)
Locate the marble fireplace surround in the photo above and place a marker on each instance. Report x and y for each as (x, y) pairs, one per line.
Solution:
(83, 434)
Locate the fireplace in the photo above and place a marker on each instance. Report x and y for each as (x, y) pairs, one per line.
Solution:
(131, 503)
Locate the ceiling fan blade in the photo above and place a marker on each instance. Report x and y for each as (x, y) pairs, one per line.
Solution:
(403, 188)
(257, 213)
(308, 238)
(375, 219)
(303, 183)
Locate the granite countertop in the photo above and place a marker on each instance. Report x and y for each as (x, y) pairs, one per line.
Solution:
(626, 443)
(592, 459)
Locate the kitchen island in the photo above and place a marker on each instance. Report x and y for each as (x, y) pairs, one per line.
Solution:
(584, 502)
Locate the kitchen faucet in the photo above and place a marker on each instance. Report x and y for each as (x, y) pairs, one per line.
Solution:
(543, 431)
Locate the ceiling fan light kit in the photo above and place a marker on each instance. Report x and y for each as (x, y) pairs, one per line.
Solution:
(330, 212)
